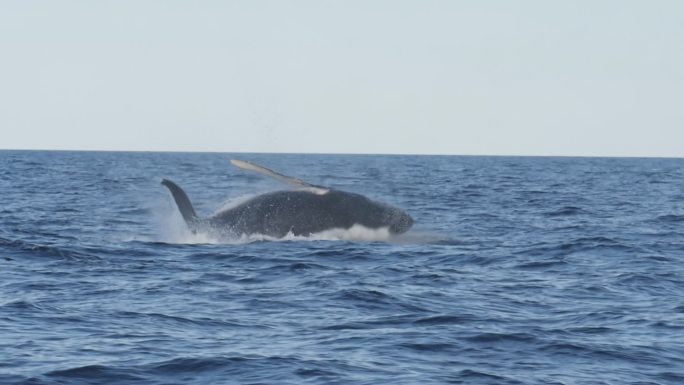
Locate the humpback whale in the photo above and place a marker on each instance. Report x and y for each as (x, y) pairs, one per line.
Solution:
(302, 210)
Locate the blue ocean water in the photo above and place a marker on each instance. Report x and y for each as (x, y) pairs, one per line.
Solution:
(518, 271)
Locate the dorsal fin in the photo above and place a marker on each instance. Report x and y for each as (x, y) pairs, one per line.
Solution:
(294, 182)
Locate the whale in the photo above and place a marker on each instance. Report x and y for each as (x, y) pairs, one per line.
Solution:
(303, 209)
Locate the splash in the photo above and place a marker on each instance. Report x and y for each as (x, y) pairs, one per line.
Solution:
(177, 232)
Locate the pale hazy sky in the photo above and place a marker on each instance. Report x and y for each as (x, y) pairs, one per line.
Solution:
(433, 77)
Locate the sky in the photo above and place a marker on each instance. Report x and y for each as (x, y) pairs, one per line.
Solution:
(478, 77)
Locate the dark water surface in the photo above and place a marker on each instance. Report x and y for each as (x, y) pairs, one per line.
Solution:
(518, 271)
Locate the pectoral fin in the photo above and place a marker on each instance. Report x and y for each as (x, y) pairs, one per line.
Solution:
(294, 182)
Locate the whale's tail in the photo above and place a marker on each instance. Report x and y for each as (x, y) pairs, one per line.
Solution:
(183, 203)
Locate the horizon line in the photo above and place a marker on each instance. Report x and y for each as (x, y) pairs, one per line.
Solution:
(346, 153)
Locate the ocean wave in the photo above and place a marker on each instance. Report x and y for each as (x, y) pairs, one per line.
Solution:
(580, 245)
(394, 321)
(564, 211)
(89, 374)
(670, 218)
(497, 338)
(444, 319)
(210, 369)
(19, 247)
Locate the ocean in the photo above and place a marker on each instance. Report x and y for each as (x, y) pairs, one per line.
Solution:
(518, 270)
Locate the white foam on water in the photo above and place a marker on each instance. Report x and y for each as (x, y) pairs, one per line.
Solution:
(356, 233)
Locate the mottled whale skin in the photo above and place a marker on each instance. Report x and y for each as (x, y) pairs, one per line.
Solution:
(303, 211)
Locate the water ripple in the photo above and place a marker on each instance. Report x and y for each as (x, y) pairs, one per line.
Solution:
(519, 271)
